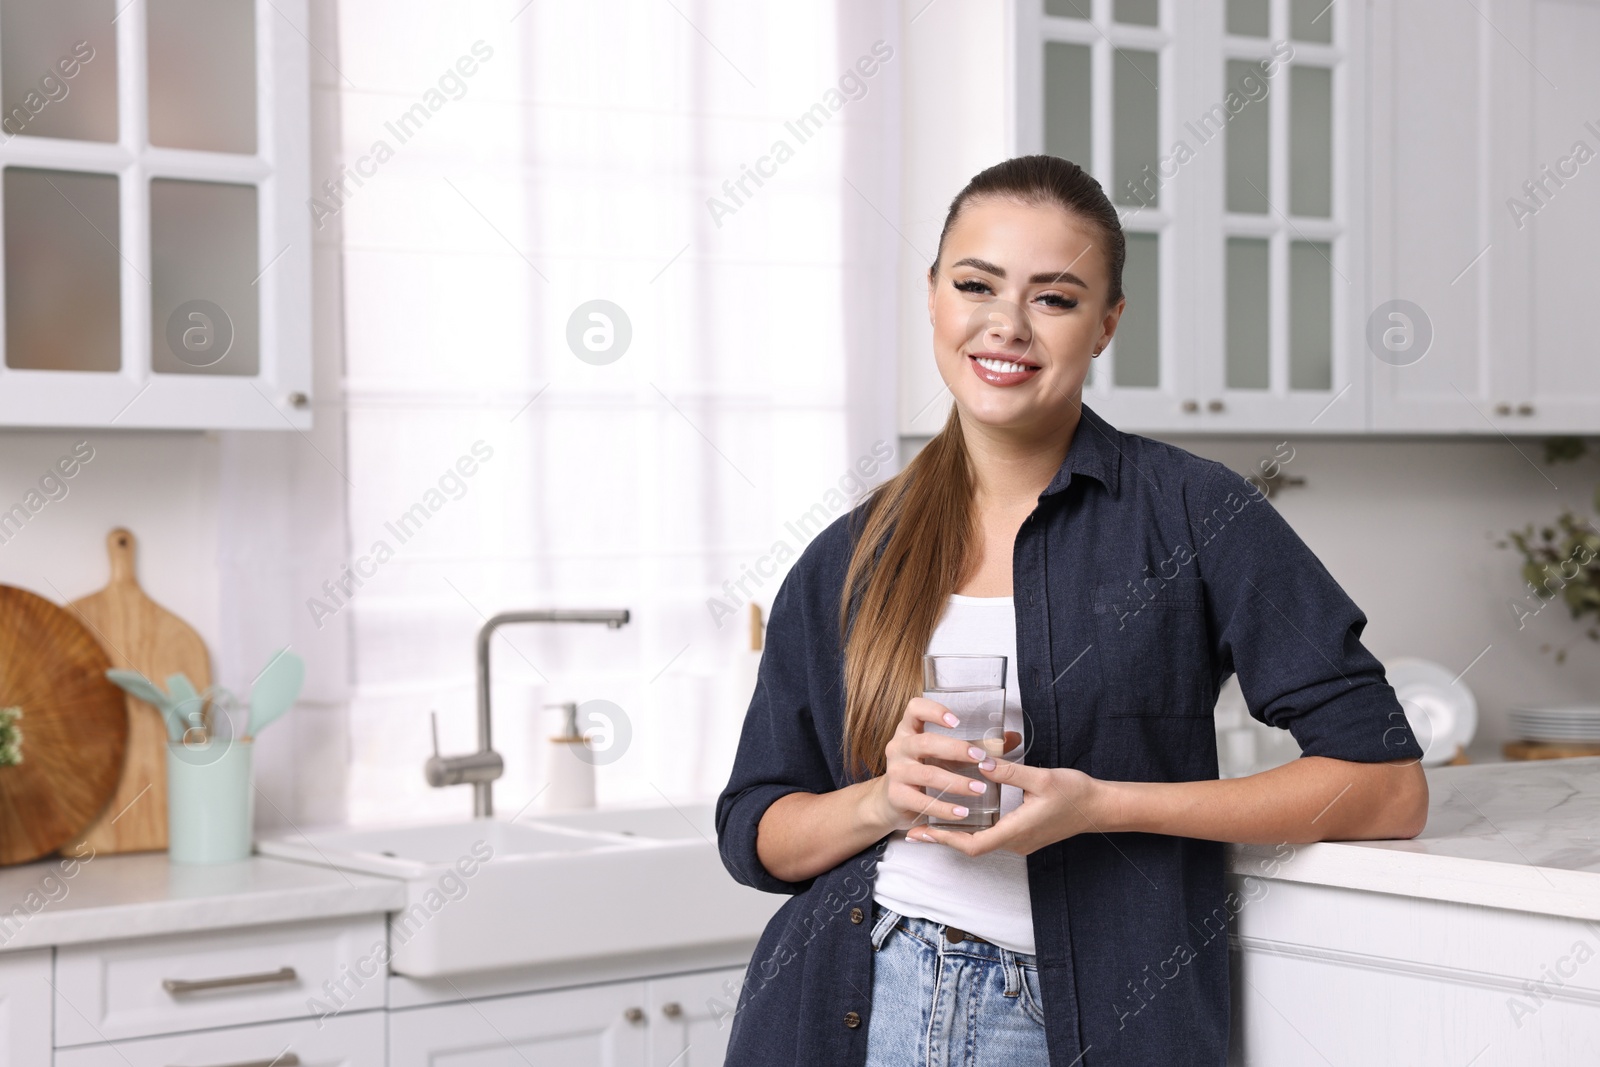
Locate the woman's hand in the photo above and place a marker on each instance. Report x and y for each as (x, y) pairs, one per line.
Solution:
(1057, 803)
(899, 800)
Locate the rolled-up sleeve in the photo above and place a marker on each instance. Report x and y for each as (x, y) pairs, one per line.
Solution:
(779, 751)
(1291, 633)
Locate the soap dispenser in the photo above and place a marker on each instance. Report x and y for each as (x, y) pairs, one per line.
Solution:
(568, 765)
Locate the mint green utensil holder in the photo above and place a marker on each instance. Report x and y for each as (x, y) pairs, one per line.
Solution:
(210, 801)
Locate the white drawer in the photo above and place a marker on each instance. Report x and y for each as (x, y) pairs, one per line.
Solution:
(344, 1041)
(119, 989)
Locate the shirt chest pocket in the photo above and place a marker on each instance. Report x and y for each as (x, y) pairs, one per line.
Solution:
(1154, 649)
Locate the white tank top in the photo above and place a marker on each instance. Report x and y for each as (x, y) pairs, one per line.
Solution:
(987, 894)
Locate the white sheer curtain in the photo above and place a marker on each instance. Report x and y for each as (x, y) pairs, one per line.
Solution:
(566, 153)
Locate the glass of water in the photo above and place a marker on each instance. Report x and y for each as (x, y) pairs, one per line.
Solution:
(973, 687)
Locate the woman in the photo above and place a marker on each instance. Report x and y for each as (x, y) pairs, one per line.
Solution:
(1125, 579)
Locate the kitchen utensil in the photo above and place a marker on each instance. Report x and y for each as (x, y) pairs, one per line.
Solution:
(139, 635)
(191, 708)
(225, 717)
(74, 725)
(1440, 708)
(137, 685)
(275, 689)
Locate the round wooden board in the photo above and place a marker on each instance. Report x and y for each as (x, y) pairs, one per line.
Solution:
(74, 726)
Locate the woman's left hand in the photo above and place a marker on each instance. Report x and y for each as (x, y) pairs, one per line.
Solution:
(1057, 803)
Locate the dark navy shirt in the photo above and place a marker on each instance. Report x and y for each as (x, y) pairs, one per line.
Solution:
(1145, 576)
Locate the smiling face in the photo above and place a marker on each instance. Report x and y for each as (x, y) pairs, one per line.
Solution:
(1018, 308)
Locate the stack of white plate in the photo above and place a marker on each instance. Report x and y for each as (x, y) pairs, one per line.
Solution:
(1578, 724)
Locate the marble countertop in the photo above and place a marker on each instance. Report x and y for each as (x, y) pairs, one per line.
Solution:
(59, 900)
(1524, 836)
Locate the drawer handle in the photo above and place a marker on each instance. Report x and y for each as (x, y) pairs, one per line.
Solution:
(286, 1059)
(176, 986)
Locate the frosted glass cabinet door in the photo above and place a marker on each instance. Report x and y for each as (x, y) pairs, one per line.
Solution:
(155, 164)
(1069, 102)
(202, 74)
(1136, 350)
(58, 69)
(203, 255)
(62, 280)
(1135, 125)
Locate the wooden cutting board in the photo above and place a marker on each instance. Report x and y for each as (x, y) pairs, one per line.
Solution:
(74, 726)
(1524, 750)
(139, 635)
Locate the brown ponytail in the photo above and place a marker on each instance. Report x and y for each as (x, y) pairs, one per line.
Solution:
(917, 535)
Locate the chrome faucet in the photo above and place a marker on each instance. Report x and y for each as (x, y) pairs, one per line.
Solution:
(482, 767)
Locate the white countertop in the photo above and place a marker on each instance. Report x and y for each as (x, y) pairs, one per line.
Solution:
(1524, 836)
(1520, 835)
(59, 901)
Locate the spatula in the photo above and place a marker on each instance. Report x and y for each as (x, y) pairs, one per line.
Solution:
(275, 689)
(186, 700)
(144, 689)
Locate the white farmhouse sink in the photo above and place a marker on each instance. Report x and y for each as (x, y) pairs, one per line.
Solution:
(486, 894)
(680, 823)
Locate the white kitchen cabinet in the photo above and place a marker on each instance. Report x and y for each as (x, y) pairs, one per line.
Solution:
(691, 1016)
(1421, 175)
(155, 250)
(25, 1008)
(678, 1020)
(1411, 980)
(1232, 148)
(588, 1026)
(1484, 216)
(113, 990)
(353, 1040)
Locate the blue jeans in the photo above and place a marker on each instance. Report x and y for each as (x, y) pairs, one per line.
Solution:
(938, 1004)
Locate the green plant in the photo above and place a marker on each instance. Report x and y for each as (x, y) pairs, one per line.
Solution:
(1564, 560)
(10, 737)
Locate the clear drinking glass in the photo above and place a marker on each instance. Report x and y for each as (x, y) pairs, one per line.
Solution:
(973, 687)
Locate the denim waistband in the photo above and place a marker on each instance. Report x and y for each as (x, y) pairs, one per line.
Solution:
(933, 934)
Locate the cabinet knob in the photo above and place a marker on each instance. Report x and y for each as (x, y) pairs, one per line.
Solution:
(1191, 405)
(672, 1009)
(634, 1015)
(1502, 409)
(1213, 405)
(299, 401)
(1524, 409)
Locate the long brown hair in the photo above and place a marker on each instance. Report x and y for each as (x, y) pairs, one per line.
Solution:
(917, 535)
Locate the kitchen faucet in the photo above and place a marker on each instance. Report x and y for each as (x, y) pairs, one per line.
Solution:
(482, 767)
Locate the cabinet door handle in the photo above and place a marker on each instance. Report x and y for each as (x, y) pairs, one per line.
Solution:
(1524, 409)
(283, 1059)
(672, 1009)
(1191, 405)
(177, 986)
(1502, 409)
(634, 1015)
(1213, 405)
